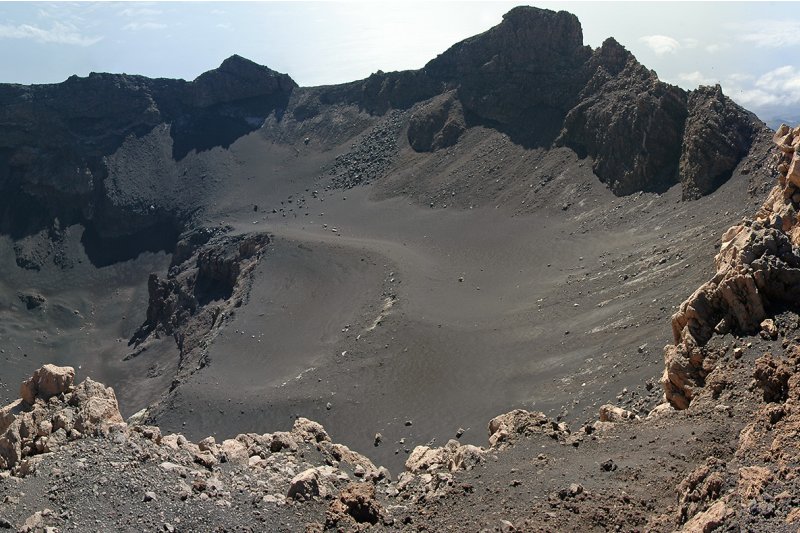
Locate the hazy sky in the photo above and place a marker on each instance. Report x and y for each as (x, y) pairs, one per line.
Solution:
(752, 49)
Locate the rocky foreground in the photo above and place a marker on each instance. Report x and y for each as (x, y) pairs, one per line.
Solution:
(720, 454)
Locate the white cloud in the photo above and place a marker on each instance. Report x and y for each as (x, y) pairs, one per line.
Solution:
(59, 33)
(661, 44)
(754, 98)
(739, 76)
(778, 78)
(713, 48)
(771, 33)
(137, 26)
(690, 42)
(140, 12)
(696, 78)
(780, 86)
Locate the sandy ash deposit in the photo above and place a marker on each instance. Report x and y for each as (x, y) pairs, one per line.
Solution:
(307, 303)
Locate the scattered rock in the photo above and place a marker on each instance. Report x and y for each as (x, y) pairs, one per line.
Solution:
(304, 485)
(355, 503)
(610, 413)
(46, 382)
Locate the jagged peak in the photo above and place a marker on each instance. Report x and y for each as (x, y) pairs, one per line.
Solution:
(710, 90)
(237, 63)
(241, 67)
(526, 34)
(613, 56)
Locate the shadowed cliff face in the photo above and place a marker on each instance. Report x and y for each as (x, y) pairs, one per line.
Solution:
(628, 121)
(110, 151)
(532, 78)
(522, 75)
(56, 141)
(718, 135)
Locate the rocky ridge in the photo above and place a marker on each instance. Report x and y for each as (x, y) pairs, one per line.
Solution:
(758, 271)
(64, 159)
(56, 420)
(208, 278)
(735, 393)
(59, 145)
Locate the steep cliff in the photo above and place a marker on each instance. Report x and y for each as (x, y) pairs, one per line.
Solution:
(109, 151)
(60, 154)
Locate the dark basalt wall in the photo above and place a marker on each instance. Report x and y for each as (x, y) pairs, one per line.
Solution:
(530, 76)
(55, 140)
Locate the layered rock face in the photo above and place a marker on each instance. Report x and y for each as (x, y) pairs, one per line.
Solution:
(531, 77)
(208, 278)
(56, 141)
(628, 121)
(758, 272)
(717, 136)
(438, 124)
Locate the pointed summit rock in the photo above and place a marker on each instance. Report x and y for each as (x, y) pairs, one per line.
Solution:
(238, 78)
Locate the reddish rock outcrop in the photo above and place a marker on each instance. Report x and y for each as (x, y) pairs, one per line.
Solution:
(53, 413)
(46, 382)
(758, 269)
(507, 428)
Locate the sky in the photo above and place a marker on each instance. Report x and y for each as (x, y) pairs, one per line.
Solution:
(751, 48)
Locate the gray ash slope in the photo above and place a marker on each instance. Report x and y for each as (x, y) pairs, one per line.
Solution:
(548, 176)
(530, 77)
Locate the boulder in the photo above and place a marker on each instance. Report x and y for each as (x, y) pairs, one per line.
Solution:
(355, 503)
(509, 427)
(709, 520)
(234, 452)
(343, 454)
(304, 485)
(97, 407)
(309, 431)
(611, 413)
(425, 458)
(768, 329)
(660, 410)
(452, 456)
(46, 382)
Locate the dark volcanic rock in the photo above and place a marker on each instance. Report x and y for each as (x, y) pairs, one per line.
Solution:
(371, 157)
(628, 121)
(438, 124)
(717, 136)
(79, 150)
(529, 63)
(238, 80)
(57, 140)
(532, 78)
(32, 300)
(208, 278)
